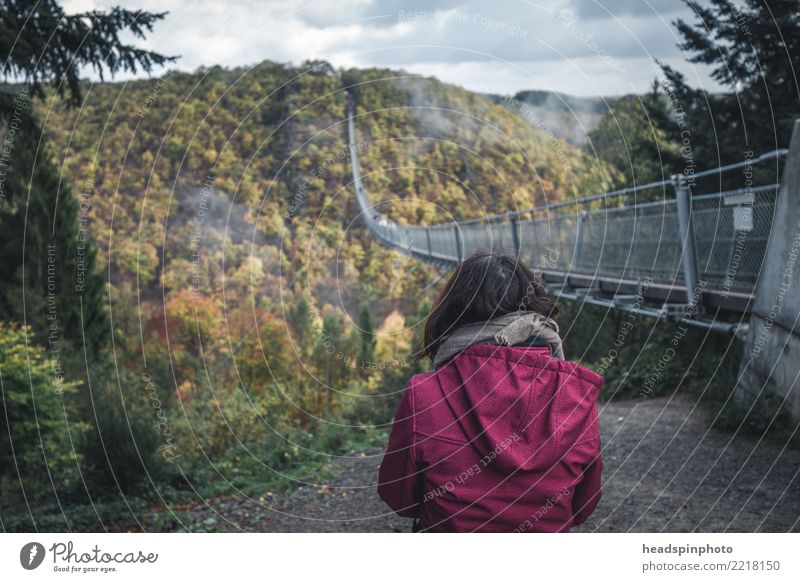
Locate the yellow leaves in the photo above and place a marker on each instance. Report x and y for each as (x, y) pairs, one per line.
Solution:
(195, 313)
(178, 274)
(523, 198)
(269, 219)
(249, 274)
(393, 342)
(185, 389)
(210, 156)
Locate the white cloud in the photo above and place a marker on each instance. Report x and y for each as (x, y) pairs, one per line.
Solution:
(501, 46)
(581, 77)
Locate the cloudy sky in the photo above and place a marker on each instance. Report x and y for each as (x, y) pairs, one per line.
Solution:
(582, 47)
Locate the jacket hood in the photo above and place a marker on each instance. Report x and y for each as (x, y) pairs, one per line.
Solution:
(518, 407)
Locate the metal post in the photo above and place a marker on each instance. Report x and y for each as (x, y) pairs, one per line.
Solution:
(514, 221)
(576, 256)
(683, 199)
(459, 249)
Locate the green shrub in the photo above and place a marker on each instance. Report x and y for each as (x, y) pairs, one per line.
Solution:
(125, 446)
(40, 435)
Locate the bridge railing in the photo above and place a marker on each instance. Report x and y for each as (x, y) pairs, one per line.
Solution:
(714, 241)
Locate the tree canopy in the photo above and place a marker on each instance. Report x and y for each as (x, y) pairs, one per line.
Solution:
(753, 49)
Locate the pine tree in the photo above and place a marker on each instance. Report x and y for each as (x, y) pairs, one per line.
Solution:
(367, 328)
(300, 319)
(331, 347)
(42, 44)
(46, 258)
(754, 51)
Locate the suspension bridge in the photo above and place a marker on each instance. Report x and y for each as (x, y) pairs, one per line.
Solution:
(685, 255)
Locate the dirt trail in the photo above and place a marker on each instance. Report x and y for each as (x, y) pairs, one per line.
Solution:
(664, 471)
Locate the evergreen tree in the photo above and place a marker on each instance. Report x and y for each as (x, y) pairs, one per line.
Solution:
(367, 328)
(41, 44)
(301, 321)
(754, 50)
(46, 258)
(333, 363)
(416, 323)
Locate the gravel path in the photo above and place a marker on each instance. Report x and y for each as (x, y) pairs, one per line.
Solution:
(664, 471)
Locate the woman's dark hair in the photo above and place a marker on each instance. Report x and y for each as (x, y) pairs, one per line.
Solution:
(486, 285)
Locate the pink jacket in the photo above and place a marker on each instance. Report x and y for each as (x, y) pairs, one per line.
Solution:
(499, 439)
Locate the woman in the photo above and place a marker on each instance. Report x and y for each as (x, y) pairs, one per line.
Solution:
(503, 435)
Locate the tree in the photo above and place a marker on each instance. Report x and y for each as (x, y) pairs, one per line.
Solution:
(47, 261)
(37, 418)
(754, 50)
(393, 341)
(417, 324)
(43, 44)
(366, 326)
(332, 355)
(301, 320)
(634, 138)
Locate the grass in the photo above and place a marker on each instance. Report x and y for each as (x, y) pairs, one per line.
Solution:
(115, 513)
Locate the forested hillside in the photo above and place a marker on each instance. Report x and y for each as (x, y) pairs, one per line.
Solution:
(268, 143)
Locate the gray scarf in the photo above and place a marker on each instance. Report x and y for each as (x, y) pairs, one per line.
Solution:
(505, 330)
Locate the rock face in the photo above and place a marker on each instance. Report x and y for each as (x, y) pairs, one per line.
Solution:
(769, 377)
